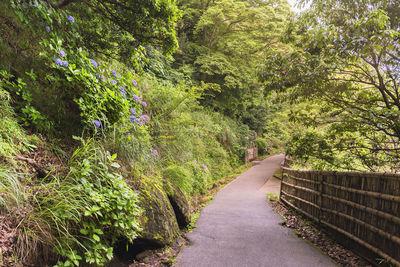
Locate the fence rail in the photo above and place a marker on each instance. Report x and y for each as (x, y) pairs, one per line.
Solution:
(364, 207)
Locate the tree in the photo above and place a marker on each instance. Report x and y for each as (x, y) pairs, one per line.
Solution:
(222, 41)
(123, 28)
(347, 56)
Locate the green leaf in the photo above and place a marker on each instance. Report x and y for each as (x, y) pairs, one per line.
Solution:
(96, 237)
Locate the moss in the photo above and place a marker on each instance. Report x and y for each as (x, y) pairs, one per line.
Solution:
(158, 218)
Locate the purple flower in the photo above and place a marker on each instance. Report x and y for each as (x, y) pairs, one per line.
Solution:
(144, 104)
(134, 82)
(94, 63)
(64, 63)
(133, 119)
(122, 89)
(114, 72)
(137, 99)
(137, 192)
(102, 77)
(59, 62)
(155, 152)
(97, 123)
(47, 28)
(203, 166)
(196, 161)
(114, 82)
(71, 19)
(133, 111)
(33, 5)
(140, 112)
(62, 53)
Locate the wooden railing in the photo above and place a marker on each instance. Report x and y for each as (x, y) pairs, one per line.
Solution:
(364, 207)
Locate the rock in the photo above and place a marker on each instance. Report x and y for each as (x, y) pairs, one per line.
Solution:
(179, 204)
(143, 255)
(158, 219)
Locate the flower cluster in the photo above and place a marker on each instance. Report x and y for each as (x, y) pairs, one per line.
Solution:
(62, 63)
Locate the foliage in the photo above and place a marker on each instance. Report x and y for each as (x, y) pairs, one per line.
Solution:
(261, 145)
(345, 56)
(90, 209)
(221, 42)
(179, 176)
(123, 29)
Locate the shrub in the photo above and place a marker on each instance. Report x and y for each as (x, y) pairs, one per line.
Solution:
(90, 209)
(261, 145)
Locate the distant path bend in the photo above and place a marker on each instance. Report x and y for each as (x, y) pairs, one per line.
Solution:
(240, 229)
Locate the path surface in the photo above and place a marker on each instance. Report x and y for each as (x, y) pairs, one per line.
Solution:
(240, 229)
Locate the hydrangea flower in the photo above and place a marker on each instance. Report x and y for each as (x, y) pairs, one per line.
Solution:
(144, 104)
(62, 53)
(133, 119)
(203, 166)
(97, 123)
(59, 62)
(114, 72)
(137, 99)
(134, 82)
(122, 89)
(48, 28)
(114, 82)
(155, 152)
(94, 63)
(133, 111)
(71, 19)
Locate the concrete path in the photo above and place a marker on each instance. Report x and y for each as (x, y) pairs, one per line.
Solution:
(240, 229)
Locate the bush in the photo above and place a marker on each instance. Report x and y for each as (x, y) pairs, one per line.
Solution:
(90, 209)
(261, 145)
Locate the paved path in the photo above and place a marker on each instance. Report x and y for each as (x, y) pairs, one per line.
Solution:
(240, 229)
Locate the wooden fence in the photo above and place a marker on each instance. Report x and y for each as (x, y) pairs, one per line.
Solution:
(364, 207)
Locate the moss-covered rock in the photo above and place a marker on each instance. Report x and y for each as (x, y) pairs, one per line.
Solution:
(158, 219)
(179, 203)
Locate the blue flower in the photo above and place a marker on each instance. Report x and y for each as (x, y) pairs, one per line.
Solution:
(59, 62)
(71, 19)
(94, 63)
(144, 104)
(133, 119)
(133, 111)
(33, 5)
(122, 89)
(114, 82)
(47, 28)
(62, 53)
(137, 99)
(114, 72)
(64, 63)
(97, 123)
(134, 82)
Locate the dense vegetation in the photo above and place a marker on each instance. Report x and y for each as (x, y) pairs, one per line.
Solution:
(99, 99)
